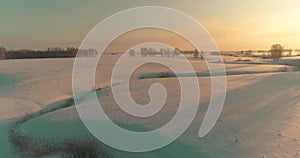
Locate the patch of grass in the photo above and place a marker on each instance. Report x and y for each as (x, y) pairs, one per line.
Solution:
(28, 146)
(84, 149)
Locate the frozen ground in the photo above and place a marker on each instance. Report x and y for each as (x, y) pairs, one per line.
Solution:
(261, 115)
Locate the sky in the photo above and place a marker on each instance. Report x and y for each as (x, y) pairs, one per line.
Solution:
(233, 24)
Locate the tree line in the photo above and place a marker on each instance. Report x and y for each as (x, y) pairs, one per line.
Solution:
(49, 53)
(276, 52)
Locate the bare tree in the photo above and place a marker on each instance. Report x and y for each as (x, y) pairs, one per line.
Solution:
(2, 52)
(196, 53)
(132, 52)
(276, 51)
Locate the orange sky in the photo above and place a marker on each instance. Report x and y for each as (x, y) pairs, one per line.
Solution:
(233, 24)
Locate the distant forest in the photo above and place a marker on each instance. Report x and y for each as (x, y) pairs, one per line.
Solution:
(49, 53)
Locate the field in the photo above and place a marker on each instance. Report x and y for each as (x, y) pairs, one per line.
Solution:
(260, 118)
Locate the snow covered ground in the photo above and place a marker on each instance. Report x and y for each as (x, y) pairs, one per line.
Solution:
(261, 115)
